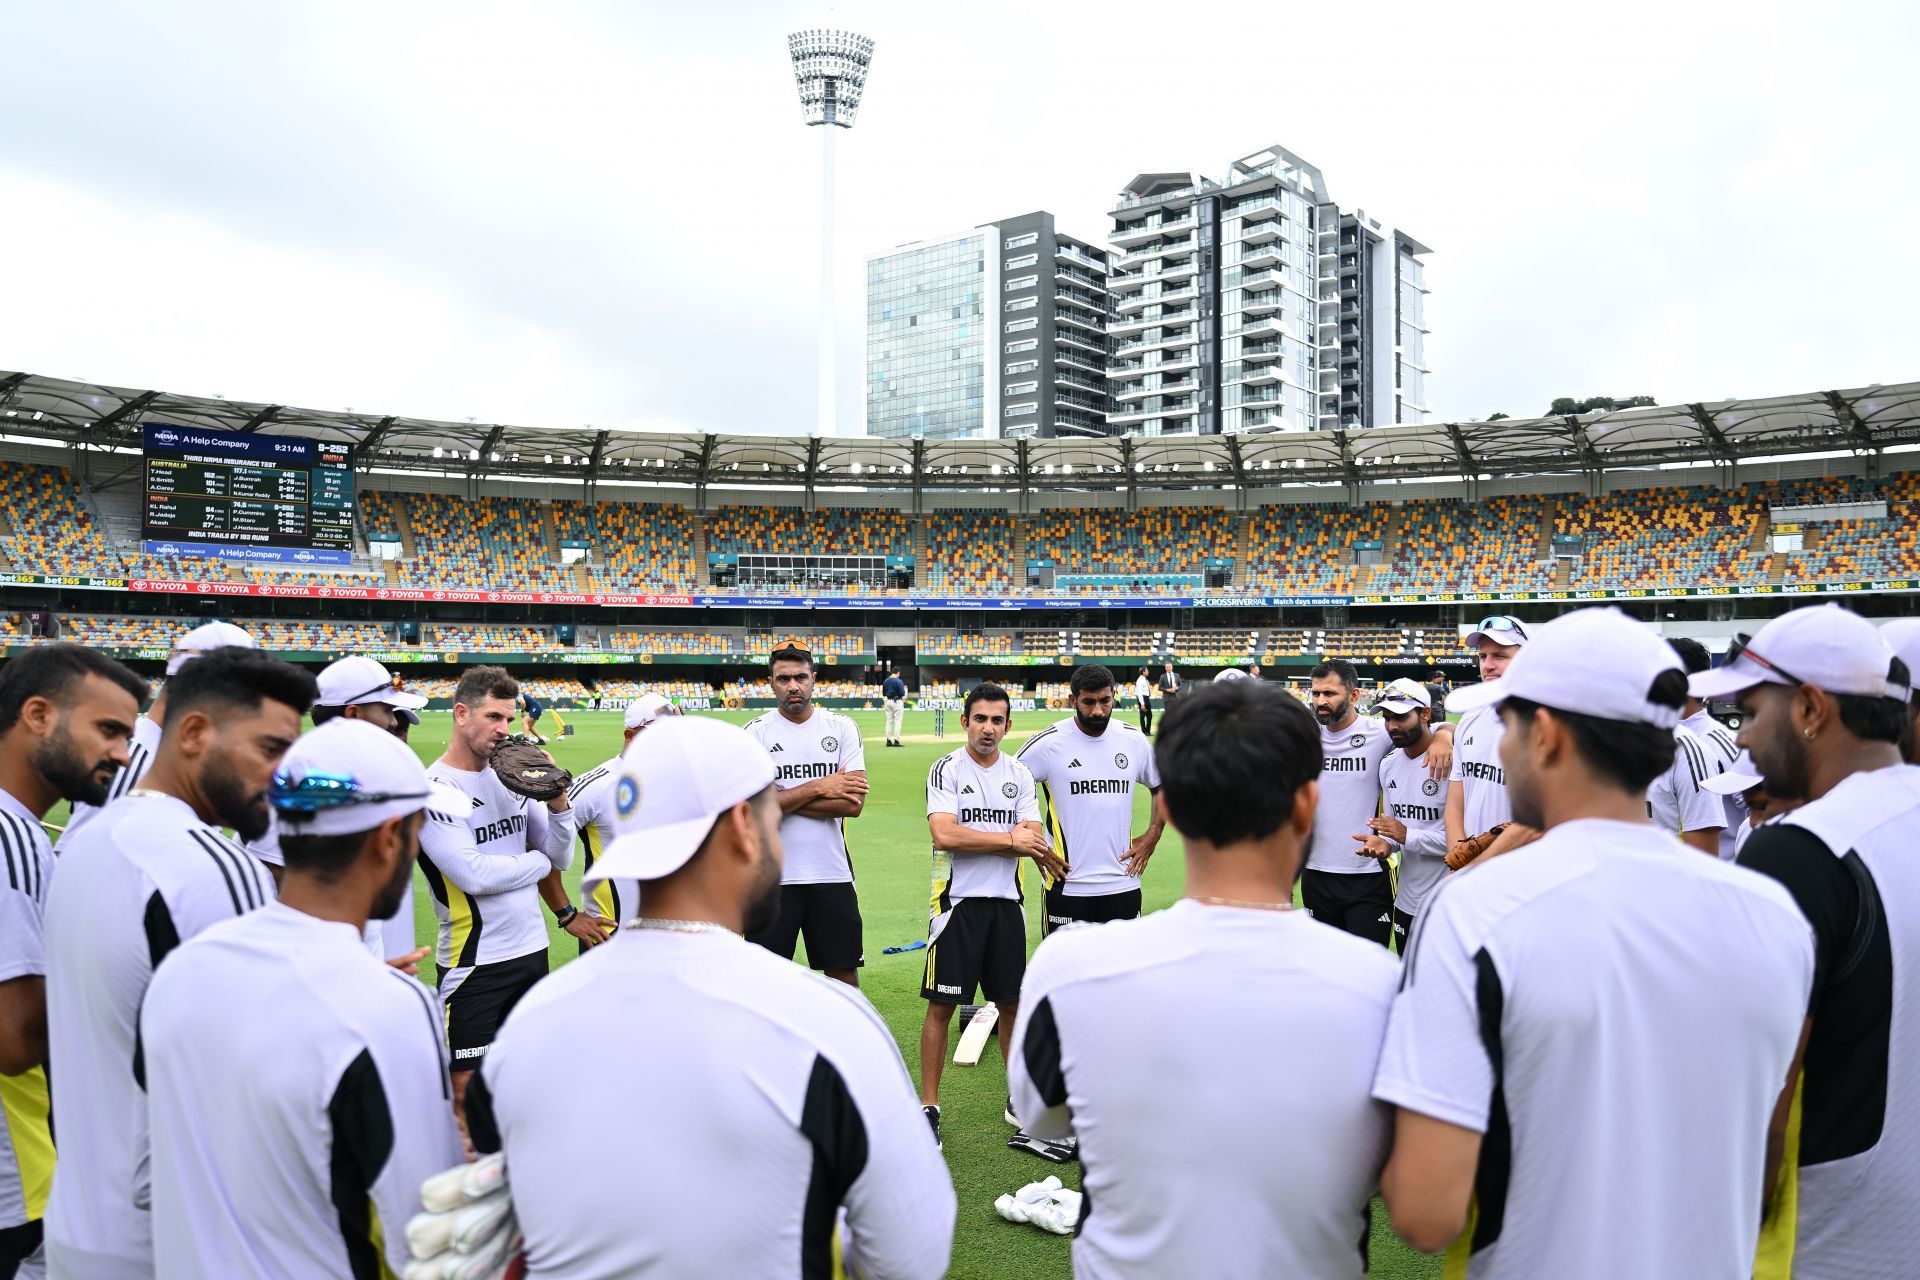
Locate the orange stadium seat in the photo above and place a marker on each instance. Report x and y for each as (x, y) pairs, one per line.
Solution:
(52, 531)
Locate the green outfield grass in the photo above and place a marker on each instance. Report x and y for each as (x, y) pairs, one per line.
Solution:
(891, 858)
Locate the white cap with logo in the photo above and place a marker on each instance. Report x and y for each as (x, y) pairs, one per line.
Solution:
(647, 708)
(348, 776)
(1830, 648)
(357, 681)
(1501, 629)
(1591, 662)
(1741, 776)
(1403, 696)
(1903, 637)
(674, 783)
(205, 639)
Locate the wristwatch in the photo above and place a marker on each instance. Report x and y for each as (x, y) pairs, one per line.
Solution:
(565, 914)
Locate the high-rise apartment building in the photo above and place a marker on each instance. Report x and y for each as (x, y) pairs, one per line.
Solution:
(1255, 303)
(997, 331)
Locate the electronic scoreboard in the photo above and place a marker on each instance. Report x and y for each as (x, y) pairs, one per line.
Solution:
(278, 499)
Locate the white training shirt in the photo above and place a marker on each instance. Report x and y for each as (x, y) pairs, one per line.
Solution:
(142, 878)
(1632, 1008)
(814, 849)
(1722, 750)
(26, 1148)
(753, 1101)
(1675, 801)
(297, 1093)
(1086, 790)
(1142, 688)
(996, 797)
(384, 939)
(483, 872)
(1478, 773)
(146, 741)
(591, 798)
(1349, 795)
(1272, 1023)
(1412, 794)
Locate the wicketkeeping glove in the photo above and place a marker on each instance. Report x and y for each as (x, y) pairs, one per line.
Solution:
(525, 770)
(1471, 847)
(468, 1231)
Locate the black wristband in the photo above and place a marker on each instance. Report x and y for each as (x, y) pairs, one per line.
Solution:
(564, 914)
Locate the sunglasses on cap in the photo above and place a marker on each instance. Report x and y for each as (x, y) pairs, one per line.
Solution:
(1742, 647)
(793, 645)
(318, 791)
(1501, 622)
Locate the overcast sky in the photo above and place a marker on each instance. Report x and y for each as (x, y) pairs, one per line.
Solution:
(560, 213)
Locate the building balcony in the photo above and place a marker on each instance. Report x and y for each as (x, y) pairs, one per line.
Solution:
(1269, 326)
(1261, 233)
(1261, 255)
(1074, 279)
(1349, 265)
(1260, 353)
(1158, 250)
(1185, 269)
(1134, 236)
(1266, 278)
(1076, 358)
(1079, 257)
(1260, 304)
(1084, 341)
(1126, 281)
(1260, 374)
(1350, 285)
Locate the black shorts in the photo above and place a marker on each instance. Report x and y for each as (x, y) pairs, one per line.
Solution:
(1361, 903)
(1402, 931)
(828, 916)
(17, 1245)
(533, 713)
(984, 945)
(478, 1006)
(1061, 911)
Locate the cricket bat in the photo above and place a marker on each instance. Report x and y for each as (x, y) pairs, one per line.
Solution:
(974, 1038)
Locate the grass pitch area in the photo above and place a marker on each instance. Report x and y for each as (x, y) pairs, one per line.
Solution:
(891, 857)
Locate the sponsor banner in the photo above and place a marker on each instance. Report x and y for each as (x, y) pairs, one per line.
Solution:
(255, 555)
(82, 582)
(954, 704)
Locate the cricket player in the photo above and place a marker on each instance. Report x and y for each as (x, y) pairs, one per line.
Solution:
(984, 819)
(1678, 802)
(296, 1086)
(1578, 967)
(893, 695)
(1412, 822)
(152, 870)
(1087, 767)
(609, 901)
(1717, 743)
(1479, 816)
(820, 767)
(66, 720)
(1826, 704)
(1156, 1042)
(755, 1104)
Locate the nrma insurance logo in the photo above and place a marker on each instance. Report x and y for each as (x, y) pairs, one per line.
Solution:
(167, 549)
(304, 556)
(164, 436)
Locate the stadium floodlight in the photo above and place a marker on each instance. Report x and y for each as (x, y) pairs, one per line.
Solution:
(830, 71)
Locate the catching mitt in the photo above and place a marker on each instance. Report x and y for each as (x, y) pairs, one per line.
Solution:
(525, 770)
(1466, 850)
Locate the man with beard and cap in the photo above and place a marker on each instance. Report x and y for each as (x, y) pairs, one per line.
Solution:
(1347, 887)
(150, 872)
(66, 718)
(1413, 802)
(1903, 637)
(821, 769)
(297, 1088)
(608, 901)
(1087, 767)
(756, 1102)
(1825, 700)
(146, 730)
(1479, 817)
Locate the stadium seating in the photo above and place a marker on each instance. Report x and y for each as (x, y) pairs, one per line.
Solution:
(630, 689)
(963, 644)
(1681, 537)
(843, 644)
(47, 528)
(477, 639)
(1857, 549)
(785, 531)
(639, 546)
(108, 632)
(969, 553)
(324, 637)
(1308, 549)
(1125, 545)
(489, 543)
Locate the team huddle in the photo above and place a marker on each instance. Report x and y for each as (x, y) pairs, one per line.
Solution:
(1642, 1020)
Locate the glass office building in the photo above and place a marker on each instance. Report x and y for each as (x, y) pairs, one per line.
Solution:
(926, 339)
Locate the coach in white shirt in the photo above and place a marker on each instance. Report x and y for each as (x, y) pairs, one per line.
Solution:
(749, 1102)
(1263, 1159)
(297, 1087)
(1479, 816)
(1588, 1048)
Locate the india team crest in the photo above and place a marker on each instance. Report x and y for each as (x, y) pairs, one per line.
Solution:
(1119, 759)
(829, 743)
(1431, 787)
(626, 796)
(1009, 790)
(1358, 740)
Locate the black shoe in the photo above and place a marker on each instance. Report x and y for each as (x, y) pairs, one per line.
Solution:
(933, 1120)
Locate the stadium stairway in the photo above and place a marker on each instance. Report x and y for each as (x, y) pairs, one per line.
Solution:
(922, 563)
(1563, 573)
(407, 550)
(1549, 510)
(551, 532)
(1018, 569)
(582, 576)
(1242, 550)
(701, 575)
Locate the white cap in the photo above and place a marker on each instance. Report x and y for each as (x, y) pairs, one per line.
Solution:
(1501, 629)
(647, 708)
(348, 776)
(357, 681)
(1231, 673)
(1591, 662)
(1741, 776)
(1403, 696)
(674, 783)
(215, 635)
(1828, 647)
(1903, 637)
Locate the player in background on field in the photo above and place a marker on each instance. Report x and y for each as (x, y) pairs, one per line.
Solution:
(608, 901)
(984, 817)
(756, 1102)
(1143, 701)
(1351, 888)
(1193, 1162)
(296, 1086)
(1826, 702)
(1479, 817)
(483, 875)
(1591, 1031)
(1086, 767)
(1679, 804)
(1413, 803)
(152, 870)
(1715, 738)
(1742, 778)
(821, 770)
(146, 730)
(66, 720)
(893, 696)
(1903, 636)
(531, 709)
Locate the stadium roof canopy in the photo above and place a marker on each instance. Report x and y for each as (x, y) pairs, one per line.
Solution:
(1869, 419)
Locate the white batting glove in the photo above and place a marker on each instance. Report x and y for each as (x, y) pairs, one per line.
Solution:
(468, 1231)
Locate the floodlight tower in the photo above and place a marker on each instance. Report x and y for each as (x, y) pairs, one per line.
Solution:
(829, 70)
